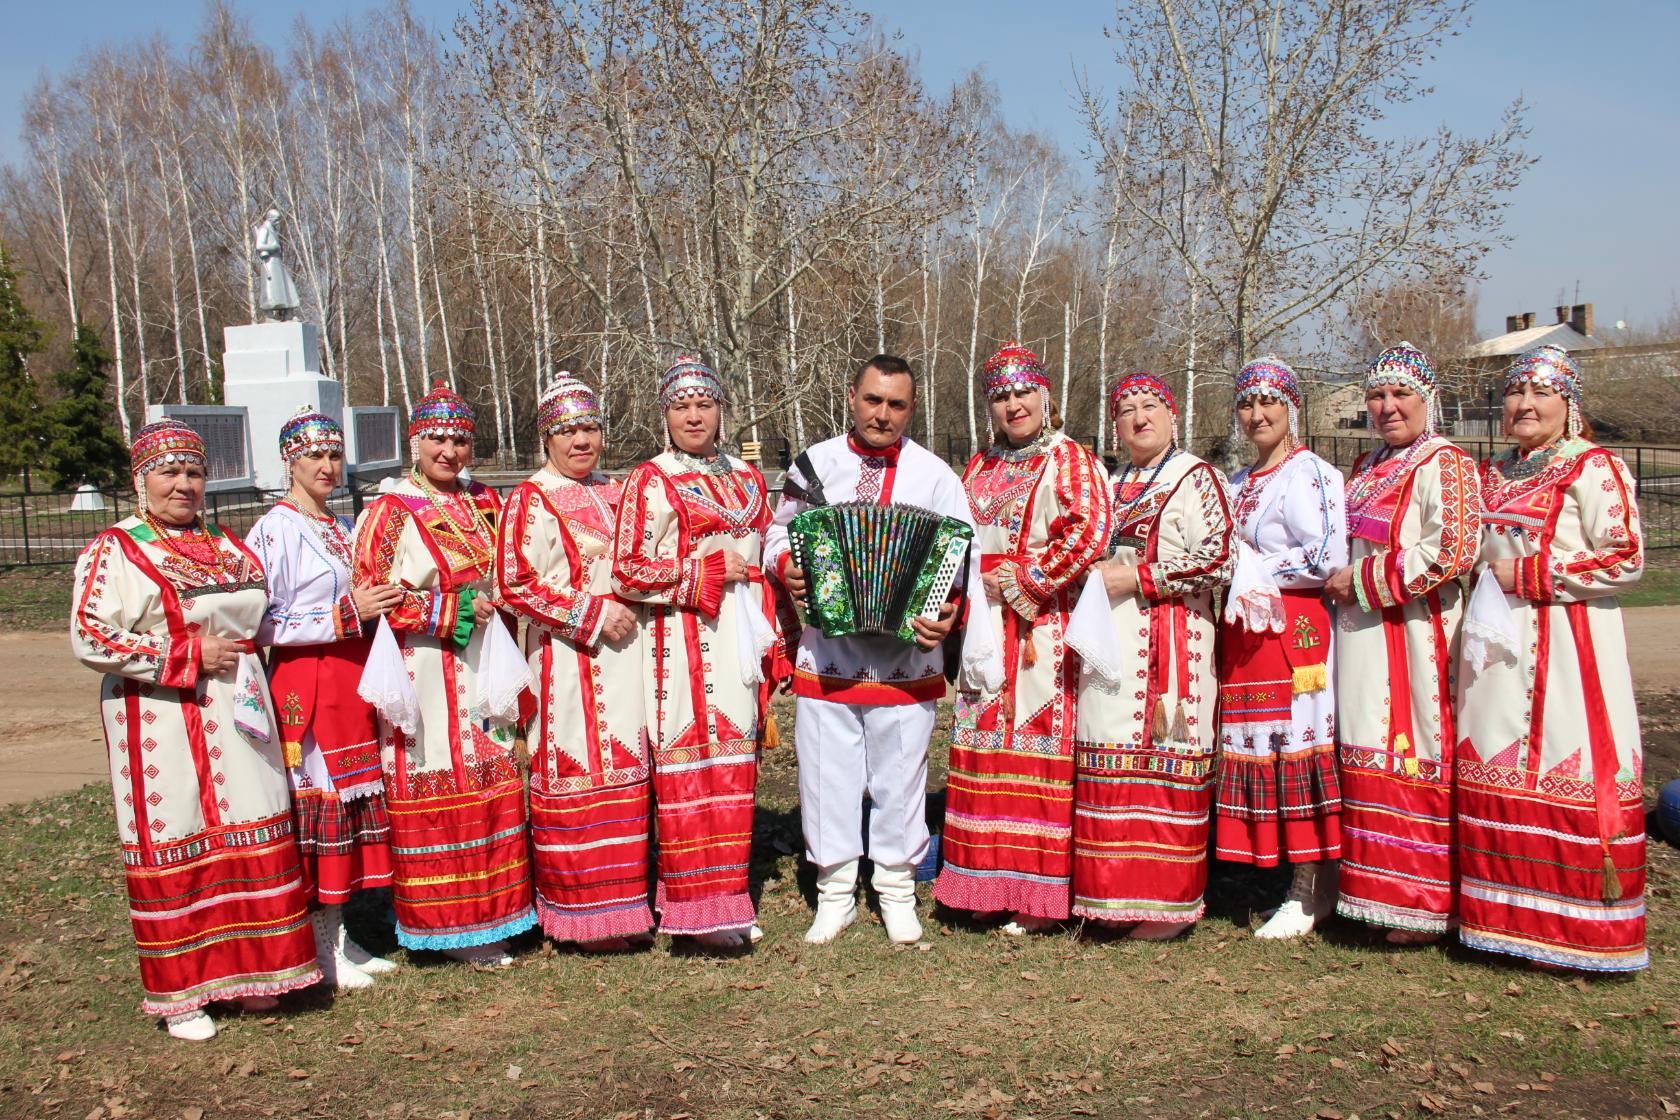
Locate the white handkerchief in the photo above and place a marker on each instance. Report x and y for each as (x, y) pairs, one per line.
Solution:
(386, 685)
(250, 700)
(1091, 630)
(1254, 600)
(1490, 629)
(753, 633)
(501, 671)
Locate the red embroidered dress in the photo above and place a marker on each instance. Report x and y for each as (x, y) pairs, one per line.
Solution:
(458, 842)
(1414, 523)
(214, 888)
(330, 734)
(1041, 517)
(1279, 795)
(1146, 746)
(589, 756)
(1551, 819)
(679, 516)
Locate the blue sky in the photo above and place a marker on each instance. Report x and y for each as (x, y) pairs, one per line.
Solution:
(1597, 215)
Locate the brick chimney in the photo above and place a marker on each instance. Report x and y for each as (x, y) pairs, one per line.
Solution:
(1513, 324)
(1528, 320)
(1581, 318)
(1562, 314)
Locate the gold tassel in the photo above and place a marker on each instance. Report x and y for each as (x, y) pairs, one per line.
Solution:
(769, 736)
(1029, 652)
(291, 752)
(1409, 761)
(1180, 732)
(1310, 678)
(1612, 886)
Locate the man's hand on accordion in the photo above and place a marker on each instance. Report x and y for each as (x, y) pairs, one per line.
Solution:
(930, 634)
(793, 578)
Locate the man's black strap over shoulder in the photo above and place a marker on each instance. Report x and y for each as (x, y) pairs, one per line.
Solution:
(811, 492)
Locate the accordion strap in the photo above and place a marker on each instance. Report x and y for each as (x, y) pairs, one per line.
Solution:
(811, 492)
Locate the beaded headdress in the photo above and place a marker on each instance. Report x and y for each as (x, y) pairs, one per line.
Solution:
(441, 412)
(1014, 367)
(566, 402)
(164, 441)
(688, 376)
(1551, 366)
(307, 431)
(1270, 378)
(1406, 366)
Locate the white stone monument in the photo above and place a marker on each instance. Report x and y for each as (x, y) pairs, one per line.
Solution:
(270, 369)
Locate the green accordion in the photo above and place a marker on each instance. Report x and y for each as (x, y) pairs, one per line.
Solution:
(871, 568)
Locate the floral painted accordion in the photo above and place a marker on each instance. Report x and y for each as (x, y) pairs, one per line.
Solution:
(874, 568)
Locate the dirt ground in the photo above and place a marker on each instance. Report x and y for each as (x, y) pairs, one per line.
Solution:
(50, 740)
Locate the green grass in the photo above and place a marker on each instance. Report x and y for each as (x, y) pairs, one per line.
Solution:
(35, 598)
(968, 1024)
(1658, 586)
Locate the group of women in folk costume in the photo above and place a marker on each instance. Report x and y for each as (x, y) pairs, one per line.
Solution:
(1468, 761)
(1336, 724)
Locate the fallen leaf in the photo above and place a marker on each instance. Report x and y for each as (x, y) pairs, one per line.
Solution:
(298, 1074)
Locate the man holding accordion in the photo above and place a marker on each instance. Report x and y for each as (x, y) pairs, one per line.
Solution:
(865, 691)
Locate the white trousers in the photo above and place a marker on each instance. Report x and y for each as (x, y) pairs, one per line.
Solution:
(847, 750)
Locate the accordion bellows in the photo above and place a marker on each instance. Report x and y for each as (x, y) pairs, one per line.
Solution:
(874, 568)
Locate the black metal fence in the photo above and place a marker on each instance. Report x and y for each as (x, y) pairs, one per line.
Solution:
(42, 527)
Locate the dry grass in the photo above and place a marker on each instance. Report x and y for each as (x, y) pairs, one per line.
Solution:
(968, 1024)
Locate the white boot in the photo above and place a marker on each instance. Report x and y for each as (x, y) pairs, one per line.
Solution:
(360, 957)
(896, 888)
(836, 902)
(337, 969)
(190, 1026)
(1289, 921)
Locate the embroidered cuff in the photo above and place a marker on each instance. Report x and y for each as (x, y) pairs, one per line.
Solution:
(701, 586)
(1369, 586)
(180, 662)
(1012, 583)
(347, 621)
(592, 618)
(1534, 578)
(1147, 585)
(464, 618)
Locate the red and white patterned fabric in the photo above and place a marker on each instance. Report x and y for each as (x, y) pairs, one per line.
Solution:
(1146, 744)
(590, 794)
(1279, 795)
(329, 733)
(1042, 516)
(1414, 521)
(1550, 813)
(679, 516)
(215, 891)
(458, 839)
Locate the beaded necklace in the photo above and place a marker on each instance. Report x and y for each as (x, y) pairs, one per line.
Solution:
(1122, 515)
(196, 548)
(717, 465)
(464, 530)
(1029, 450)
(1254, 484)
(325, 529)
(1367, 486)
(1520, 465)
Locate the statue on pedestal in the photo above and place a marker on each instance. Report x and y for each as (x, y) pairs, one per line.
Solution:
(278, 296)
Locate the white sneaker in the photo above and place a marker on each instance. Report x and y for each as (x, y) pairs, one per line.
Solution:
(493, 955)
(1159, 931)
(190, 1026)
(896, 888)
(1022, 924)
(327, 922)
(1290, 920)
(836, 902)
(754, 934)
